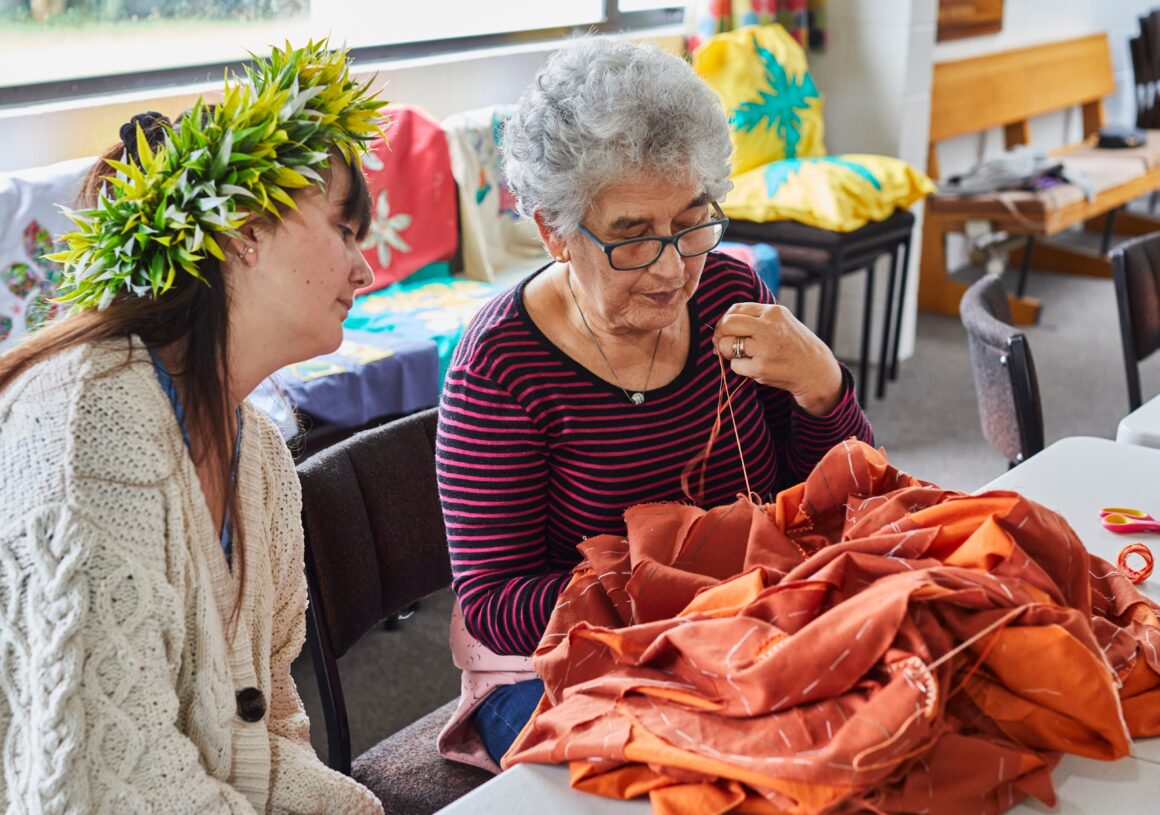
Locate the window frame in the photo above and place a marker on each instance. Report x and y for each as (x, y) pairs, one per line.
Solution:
(67, 90)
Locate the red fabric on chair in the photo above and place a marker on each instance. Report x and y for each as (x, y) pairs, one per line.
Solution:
(414, 216)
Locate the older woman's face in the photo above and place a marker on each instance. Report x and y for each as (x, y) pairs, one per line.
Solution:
(643, 299)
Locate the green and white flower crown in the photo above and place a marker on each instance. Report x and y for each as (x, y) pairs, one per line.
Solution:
(268, 136)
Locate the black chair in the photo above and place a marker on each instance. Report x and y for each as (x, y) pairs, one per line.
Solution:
(827, 256)
(1136, 271)
(375, 544)
(1145, 53)
(1004, 372)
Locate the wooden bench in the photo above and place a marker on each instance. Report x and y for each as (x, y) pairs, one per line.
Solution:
(1007, 90)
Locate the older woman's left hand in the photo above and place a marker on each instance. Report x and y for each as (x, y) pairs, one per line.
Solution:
(780, 352)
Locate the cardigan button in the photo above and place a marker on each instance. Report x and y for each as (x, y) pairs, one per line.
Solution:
(251, 705)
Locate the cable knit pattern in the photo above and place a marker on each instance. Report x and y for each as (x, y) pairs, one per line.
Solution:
(117, 680)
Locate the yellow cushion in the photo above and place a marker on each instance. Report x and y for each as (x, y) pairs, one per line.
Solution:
(774, 109)
(840, 193)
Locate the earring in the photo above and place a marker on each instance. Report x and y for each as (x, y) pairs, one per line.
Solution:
(249, 250)
(562, 257)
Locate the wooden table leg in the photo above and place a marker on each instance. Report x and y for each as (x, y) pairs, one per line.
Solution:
(938, 292)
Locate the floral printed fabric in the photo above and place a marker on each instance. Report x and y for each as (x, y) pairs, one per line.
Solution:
(780, 170)
(29, 222)
(774, 108)
(805, 20)
(495, 239)
(868, 642)
(430, 305)
(414, 220)
(839, 193)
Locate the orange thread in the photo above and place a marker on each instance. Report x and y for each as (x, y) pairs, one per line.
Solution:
(1135, 575)
(701, 460)
(982, 658)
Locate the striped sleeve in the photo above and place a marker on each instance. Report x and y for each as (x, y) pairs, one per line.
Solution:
(802, 438)
(493, 482)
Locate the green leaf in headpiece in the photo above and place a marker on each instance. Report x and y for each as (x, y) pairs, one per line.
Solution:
(270, 135)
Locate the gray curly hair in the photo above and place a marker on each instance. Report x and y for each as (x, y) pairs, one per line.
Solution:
(601, 109)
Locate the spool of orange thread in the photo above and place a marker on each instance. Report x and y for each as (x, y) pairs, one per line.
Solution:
(1135, 575)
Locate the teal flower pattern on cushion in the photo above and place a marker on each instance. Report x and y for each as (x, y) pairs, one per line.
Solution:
(779, 108)
(779, 172)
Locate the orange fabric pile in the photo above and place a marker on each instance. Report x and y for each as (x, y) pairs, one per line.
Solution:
(868, 642)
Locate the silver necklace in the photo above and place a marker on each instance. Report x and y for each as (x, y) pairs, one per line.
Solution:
(636, 397)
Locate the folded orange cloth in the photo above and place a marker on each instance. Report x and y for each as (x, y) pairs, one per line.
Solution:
(866, 642)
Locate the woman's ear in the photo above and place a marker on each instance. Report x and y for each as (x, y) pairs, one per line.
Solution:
(557, 247)
(243, 247)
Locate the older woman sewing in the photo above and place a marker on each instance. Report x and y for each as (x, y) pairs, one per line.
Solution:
(591, 385)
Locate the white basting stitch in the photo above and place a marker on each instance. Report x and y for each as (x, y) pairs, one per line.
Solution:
(811, 686)
(829, 731)
(862, 630)
(740, 642)
(581, 661)
(589, 587)
(744, 701)
(841, 656)
(785, 738)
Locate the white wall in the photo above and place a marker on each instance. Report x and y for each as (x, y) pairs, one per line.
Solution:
(1030, 22)
(875, 77)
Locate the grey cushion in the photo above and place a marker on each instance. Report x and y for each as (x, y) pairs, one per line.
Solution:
(407, 773)
(999, 384)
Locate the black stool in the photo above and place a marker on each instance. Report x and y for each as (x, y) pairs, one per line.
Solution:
(826, 256)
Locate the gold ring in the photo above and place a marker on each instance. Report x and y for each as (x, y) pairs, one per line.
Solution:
(739, 348)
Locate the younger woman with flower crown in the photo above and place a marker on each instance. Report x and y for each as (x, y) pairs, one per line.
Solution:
(151, 583)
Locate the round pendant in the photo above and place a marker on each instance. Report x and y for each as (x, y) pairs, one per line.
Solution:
(637, 398)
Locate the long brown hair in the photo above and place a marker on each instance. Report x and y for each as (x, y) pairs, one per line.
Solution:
(192, 319)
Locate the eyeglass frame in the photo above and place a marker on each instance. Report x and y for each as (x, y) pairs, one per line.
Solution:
(721, 218)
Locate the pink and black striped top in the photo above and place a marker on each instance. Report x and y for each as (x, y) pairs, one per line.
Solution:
(535, 452)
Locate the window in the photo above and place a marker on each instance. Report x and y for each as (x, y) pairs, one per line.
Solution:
(61, 48)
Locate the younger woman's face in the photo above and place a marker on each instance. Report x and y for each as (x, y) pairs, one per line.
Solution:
(308, 267)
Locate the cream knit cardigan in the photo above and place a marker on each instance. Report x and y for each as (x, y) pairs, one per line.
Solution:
(117, 680)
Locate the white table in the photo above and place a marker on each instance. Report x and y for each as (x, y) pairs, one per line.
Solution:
(1078, 476)
(1075, 477)
(1142, 425)
(1083, 786)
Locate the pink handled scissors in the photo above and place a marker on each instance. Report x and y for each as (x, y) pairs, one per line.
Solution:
(1125, 520)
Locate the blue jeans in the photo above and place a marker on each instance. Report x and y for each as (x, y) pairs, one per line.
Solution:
(504, 713)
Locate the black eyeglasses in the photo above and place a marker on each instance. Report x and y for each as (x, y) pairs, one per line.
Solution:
(640, 253)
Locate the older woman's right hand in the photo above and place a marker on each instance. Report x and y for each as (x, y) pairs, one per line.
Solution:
(774, 348)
